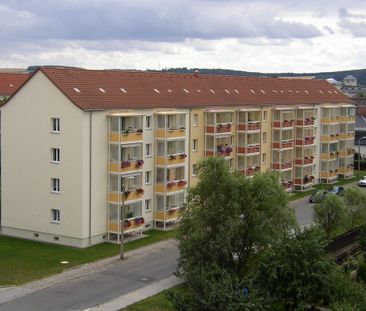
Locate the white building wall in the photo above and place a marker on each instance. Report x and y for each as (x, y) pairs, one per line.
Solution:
(27, 169)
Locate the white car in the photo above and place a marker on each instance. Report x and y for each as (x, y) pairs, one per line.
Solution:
(362, 182)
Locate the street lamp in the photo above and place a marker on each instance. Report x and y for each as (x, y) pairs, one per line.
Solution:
(359, 152)
(122, 252)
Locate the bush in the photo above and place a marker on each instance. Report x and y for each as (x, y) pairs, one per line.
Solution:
(361, 272)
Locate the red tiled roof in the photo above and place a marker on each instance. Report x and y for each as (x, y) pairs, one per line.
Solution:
(10, 82)
(115, 89)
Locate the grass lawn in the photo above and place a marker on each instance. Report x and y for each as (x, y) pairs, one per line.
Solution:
(301, 194)
(158, 302)
(22, 261)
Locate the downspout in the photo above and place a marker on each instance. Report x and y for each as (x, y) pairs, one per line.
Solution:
(90, 173)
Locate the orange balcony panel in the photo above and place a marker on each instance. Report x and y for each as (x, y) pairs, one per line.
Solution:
(345, 170)
(304, 161)
(306, 122)
(113, 227)
(209, 153)
(282, 145)
(249, 172)
(282, 166)
(241, 127)
(327, 175)
(210, 129)
(170, 187)
(249, 127)
(167, 215)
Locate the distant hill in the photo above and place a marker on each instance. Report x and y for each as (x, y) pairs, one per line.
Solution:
(360, 74)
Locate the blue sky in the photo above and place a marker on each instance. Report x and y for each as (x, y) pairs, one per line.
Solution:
(266, 36)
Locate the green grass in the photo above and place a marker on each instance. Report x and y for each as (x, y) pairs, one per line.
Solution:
(295, 195)
(22, 261)
(158, 302)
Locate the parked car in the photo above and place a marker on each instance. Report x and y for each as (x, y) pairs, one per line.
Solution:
(317, 196)
(362, 182)
(338, 190)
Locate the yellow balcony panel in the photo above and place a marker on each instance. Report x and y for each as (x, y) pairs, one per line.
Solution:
(329, 138)
(346, 153)
(171, 186)
(162, 133)
(327, 175)
(330, 120)
(171, 160)
(125, 137)
(328, 156)
(169, 215)
(345, 170)
(117, 167)
(130, 225)
(133, 195)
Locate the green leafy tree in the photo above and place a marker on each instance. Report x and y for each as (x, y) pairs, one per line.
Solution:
(330, 213)
(227, 221)
(295, 270)
(355, 201)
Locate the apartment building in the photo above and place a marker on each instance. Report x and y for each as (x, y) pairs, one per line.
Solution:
(81, 148)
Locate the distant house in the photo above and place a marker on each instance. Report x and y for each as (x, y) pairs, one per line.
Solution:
(335, 83)
(10, 83)
(350, 81)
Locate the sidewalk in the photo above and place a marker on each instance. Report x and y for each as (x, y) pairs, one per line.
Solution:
(11, 293)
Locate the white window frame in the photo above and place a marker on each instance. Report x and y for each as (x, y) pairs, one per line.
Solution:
(55, 155)
(55, 125)
(55, 216)
(148, 150)
(148, 180)
(55, 185)
(147, 204)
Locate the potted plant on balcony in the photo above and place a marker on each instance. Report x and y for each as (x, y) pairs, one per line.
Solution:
(127, 223)
(139, 163)
(182, 155)
(257, 168)
(182, 128)
(228, 150)
(127, 193)
(125, 164)
(312, 118)
(139, 131)
(172, 157)
(130, 215)
(171, 184)
(126, 131)
(219, 126)
(139, 220)
(140, 191)
(182, 183)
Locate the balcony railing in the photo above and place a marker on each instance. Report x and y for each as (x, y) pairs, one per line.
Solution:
(305, 161)
(126, 166)
(282, 166)
(283, 144)
(171, 133)
(127, 136)
(254, 126)
(284, 123)
(286, 184)
(130, 224)
(347, 153)
(328, 120)
(249, 149)
(171, 186)
(305, 122)
(171, 159)
(219, 128)
(307, 180)
(346, 136)
(330, 156)
(128, 195)
(308, 140)
(171, 214)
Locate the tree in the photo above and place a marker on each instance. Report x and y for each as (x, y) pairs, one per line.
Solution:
(355, 201)
(329, 213)
(296, 270)
(227, 221)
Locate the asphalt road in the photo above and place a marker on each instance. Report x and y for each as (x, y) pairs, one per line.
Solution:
(134, 273)
(83, 293)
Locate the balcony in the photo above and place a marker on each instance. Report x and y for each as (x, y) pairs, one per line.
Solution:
(249, 149)
(347, 136)
(306, 122)
(126, 166)
(221, 150)
(171, 159)
(171, 186)
(285, 144)
(347, 153)
(347, 119)
(329, 156)
(171, 214)
(329, 138)
(346, 171)
(305, 182)
(283, 124)
(171, 133)
(251, 126)
(128, 135)
(220, 128)
(130, 224)
(329, 175)
(128, 195)
(282, 166)
(286, 184)
(305, 161)
(330, 120)
(309, 140)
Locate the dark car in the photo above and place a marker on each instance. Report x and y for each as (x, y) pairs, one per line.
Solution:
(338, 190)
(317, 196)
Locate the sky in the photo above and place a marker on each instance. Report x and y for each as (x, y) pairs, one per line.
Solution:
(251, 35)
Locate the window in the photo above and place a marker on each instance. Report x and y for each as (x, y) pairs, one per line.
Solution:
(264, 116)
(55, 154)
(263, 158)
(148, 205)
(264, 137)
(55, 125)
(148, 122)
(195, 145)
(194, 169)
(148, 177)
(148, 150)
(195, 120)
(55, 184)
(55, 215)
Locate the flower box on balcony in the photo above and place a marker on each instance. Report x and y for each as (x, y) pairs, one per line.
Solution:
(139, 131)
(171, 184)
(125, 164)
(182, 155)
(139, 163)
(139, 220)
(140, 191)
(182, 183)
